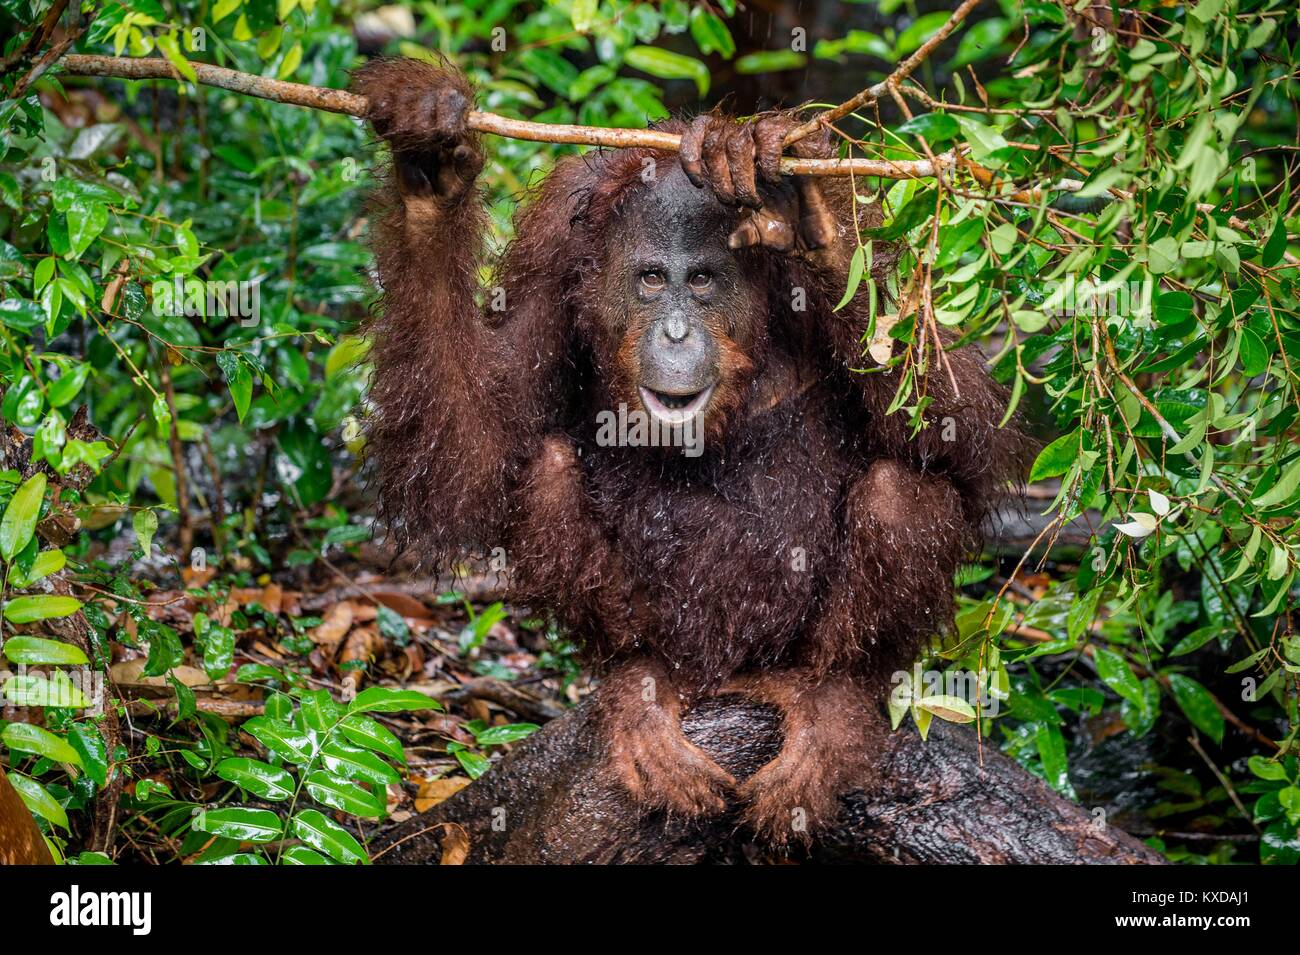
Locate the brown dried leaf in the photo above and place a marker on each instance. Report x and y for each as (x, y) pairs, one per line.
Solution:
(455, 844)
(128, 673)
(335, 626)
(197, 578)
(433, 791)
(364, 645)
(403, 604)
(272, 598)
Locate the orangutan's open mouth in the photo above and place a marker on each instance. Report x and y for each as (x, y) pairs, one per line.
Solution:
(675, 409)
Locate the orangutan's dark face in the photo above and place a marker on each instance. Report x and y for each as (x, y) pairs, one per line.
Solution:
(681, 311)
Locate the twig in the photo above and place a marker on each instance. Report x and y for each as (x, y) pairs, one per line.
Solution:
(38, 38)
(218, 508)
(118, 598)
(873, 93)
(1171, 435)
(186, 535)
(218, 706)
(505, 695)
(1223, 781)
(50, 56)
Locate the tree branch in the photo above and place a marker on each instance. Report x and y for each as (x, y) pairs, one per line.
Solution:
(943, 801)
(342, 101)
(873, 93)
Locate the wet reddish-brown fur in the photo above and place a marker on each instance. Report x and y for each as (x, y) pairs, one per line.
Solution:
(803, 558)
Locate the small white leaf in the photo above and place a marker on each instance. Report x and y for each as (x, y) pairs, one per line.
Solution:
(1142, 525)
(1159, 503)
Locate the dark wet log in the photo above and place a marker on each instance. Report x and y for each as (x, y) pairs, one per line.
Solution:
(550, 801)
(20, 839)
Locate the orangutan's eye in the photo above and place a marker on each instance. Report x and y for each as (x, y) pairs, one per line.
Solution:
(652, 281)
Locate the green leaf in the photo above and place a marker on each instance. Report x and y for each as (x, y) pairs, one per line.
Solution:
(1195, 640)
(1280, 845)
(711, 34)
(38, 801)
(857, 265)
(353, 762)
(554, 71)
(363, 731)
(310, 462)
(40, 742)
(91, 858)
(319, 710)
(239, 823)
(20, 314)
(391, 624)
(259, 778)
(591, 79)
(951, 708)
(1055, 459)
(20, 517)
(43, 272)
(238, 379)
(583, 14)
(1266, 768)
(771, 61)
(1254, 353)
(301, 855)
(11, 192)
(172, 50)
(474, 764)
(670, 66)
(1118, 675)
(935, 127)
(1051, 750)
(381, 699)
(37, 651)
(145, 523)
(283, 740)
(1275, 247)
(223, 8)
(1162, 255)
(86, 739)
(983, 139)
(290, 63)
(234, 858)
(921, 30)
(1276, 494)
(320, 832)
(165, 649)
(68, 385)
(955, 240)
(346, 355)
(257, 672)
(507, 733)
(336, 793)
(44, 607)
(980, 41)
(86, 220)
(32, 689)
(1197, 703)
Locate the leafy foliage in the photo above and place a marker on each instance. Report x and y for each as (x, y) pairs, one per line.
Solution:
(185, 264)
(1151, 316)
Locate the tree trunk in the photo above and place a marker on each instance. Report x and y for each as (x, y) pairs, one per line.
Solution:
(941, 801)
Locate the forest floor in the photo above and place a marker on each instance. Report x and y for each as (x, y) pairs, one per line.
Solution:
(498, 675)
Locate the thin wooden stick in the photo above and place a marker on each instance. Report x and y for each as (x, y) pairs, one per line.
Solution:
(873, 93)
(341, 101)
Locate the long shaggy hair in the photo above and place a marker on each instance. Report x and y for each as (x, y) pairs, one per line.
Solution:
(463, 400)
